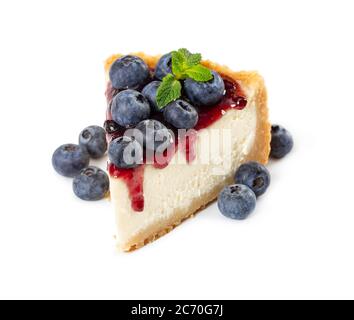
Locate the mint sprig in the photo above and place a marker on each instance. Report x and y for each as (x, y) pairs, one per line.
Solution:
(168, 91)
(199, 73)
(184, 65)
(182, 61)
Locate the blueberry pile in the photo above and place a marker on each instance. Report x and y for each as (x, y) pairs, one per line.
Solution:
(252, 179)
(135, 107)
(72, 160)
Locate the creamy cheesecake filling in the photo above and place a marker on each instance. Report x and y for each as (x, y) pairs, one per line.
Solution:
(234, 98)
(149, 197)
(178, 185)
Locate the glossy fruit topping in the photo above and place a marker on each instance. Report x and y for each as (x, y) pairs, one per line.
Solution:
(129, 107)
(181, 114)
(125, 152)
(129, 72)
(150, 91)
(205, 93)
(154, 135)
(163, 66)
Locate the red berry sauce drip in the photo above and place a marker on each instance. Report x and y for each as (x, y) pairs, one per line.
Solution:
(110, 93)
(134, 179)
(188, 145)
(234, 98)
(163, 160)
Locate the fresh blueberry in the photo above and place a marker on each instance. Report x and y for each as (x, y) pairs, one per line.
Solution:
(155, 136)
(93, 138)
(69, 159)
(163, 66)
(91, 184)
(125, 152)
(205, 93)
(181, 114)
(254, 175)
(150, 92)
(129, 107)
(282, 142)
(129, 72)
(111, 127)
(236, 201)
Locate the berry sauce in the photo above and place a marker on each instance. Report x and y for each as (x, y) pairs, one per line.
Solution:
(134, 179)
(234, 98)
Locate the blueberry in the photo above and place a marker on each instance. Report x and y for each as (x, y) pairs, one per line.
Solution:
(155, 136)
(129, 72)
(236, 201)
(129, 107)
(255, 176)
(163, 66)
(181, 114)
(91, 184)
(93, 138)
(69, 159)
(111, 127)
(125, 152)
(205, 93)
(282, 142)
(150, 92)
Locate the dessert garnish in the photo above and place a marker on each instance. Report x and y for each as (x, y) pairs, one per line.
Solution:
(184, 65)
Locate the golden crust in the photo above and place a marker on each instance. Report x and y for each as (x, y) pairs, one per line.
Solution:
(260, 151)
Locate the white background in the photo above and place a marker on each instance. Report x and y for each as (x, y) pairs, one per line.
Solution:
(298, 243)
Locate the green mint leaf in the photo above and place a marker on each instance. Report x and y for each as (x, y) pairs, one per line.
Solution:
(178, 62)
(194, 59)
(184, 52)
(199, 73)
(182, 60)
(168, 91)
(187, 65)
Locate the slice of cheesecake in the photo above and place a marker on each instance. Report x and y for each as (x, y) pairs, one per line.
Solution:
(149, 201)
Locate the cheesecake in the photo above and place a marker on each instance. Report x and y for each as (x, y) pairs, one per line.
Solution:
(153, 198)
